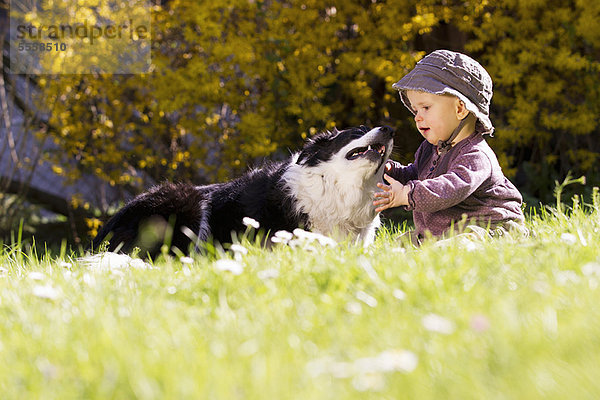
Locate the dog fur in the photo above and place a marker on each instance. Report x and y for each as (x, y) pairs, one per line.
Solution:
(327, 187)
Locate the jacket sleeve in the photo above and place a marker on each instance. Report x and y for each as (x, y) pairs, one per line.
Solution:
(402, 173)
(464, 176)
(410, 172)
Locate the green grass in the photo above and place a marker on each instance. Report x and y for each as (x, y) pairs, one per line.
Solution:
(503, 319)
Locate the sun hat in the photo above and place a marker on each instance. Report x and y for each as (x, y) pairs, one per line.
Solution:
(449, 72)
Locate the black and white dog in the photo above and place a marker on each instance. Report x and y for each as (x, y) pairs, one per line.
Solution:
(327, 187)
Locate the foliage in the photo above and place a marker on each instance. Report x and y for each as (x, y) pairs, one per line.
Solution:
(543, 57)
(508, 317)
(236, 81)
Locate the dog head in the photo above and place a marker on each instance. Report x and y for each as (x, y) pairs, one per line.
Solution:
(333, 179)
(354, 151)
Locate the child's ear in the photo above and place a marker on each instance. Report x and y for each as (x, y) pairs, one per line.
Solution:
(461, 109)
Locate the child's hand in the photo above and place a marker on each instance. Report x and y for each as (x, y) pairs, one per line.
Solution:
(393, 195)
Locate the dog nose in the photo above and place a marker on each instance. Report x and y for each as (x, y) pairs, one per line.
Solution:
(386, 129)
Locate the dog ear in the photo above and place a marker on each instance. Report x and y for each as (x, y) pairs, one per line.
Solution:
(314, 148)
(305, 155)
(301, 158)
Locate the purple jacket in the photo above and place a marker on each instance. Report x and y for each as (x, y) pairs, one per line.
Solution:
(466, 181)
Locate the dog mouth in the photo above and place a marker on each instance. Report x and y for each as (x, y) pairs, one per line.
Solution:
(377, 149)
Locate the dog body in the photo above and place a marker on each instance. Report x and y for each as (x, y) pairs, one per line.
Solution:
(327, 187)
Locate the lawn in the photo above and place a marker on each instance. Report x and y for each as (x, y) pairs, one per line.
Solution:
(507, 318)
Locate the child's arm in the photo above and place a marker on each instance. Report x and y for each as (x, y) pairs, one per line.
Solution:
(399, 177)
(401, 173)
(410, 172)
(465, 175)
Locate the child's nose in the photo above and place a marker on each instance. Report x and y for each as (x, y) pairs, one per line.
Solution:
(418, 117)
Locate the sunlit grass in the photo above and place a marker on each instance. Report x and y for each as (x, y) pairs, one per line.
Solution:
(514, 318)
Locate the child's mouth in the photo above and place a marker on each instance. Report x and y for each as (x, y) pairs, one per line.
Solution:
(424, 130)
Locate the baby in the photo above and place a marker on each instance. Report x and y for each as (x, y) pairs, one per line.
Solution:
(455, 179)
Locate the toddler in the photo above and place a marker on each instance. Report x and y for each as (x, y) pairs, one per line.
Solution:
(455, 179)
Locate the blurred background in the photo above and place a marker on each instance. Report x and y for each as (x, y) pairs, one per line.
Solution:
(234, 82)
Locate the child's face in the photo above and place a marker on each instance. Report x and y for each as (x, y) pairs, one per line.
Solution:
(436, 116)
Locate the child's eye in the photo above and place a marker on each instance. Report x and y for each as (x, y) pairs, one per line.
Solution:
(421, 108)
